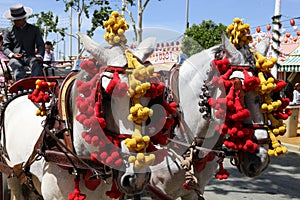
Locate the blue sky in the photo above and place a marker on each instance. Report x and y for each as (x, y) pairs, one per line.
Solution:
(170, 15)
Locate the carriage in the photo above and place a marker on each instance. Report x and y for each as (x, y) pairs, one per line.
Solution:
(111, 130)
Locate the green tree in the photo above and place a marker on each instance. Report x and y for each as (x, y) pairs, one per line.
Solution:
(141, 6)
(47, 23)
(202, 36)
(101, 10)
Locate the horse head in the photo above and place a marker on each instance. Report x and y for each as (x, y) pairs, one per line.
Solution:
(122, 108)
(222, 97)
(242, 60)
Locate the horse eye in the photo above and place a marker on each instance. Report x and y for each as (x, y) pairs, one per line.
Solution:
(257, 100)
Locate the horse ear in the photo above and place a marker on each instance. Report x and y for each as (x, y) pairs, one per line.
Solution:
(92, 47)
(263, 46)
(112, 57)
(145, 48)
(233, 55)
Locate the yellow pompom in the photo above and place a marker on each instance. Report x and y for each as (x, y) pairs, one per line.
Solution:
(264, 107)
(140, 157)
(276, 131)
(120, 31)
(115, 13)
(138, 165)
(116, 39)
(284, 149)
(282, 129)
(237, 20)
(115, 27)
(149, 160)
(38, 112)
(271, 152)
(131, 159)
(146, 138)
(140, 146)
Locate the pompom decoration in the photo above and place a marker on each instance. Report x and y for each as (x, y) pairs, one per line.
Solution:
(222, 173)
(238, 32)
(236, 136)
(114, 193)
(141, 83)
(76, 195)
(91, 184)
(115, 28)
(41, 95)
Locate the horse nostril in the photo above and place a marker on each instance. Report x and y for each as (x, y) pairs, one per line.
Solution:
(128, 181)
(252, 168)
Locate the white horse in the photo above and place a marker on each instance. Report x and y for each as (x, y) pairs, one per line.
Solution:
(50, 180)
(194, 73)
(21, 130)
(129, 182)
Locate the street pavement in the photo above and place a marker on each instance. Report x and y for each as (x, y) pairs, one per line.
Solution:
(280, 181)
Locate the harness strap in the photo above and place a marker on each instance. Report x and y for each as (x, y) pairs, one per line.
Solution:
(114, 69)
(173, 83)
(60, 159)
(5, 168)
(63, 108)
(218, 153)
(264, 141)
(72, 157)
(24, 177)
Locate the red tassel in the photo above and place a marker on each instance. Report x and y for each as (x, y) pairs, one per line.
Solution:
(222, 173)
(76, 195)
(91, 184)
(112, 84)
(114, 192)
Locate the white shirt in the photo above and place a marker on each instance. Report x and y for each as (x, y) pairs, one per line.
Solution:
(296, 97)
(50, 57)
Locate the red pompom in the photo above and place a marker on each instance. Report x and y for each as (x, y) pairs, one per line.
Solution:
(95, 141)
(118, 162)
(91, 184)
(103, 155)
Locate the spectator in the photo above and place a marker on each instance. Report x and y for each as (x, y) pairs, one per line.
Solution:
(296, 94)
(3, 59)
(20, 42)
(2, 56)
(49, 55)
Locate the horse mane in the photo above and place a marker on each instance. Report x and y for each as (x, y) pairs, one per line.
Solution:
(248, 56)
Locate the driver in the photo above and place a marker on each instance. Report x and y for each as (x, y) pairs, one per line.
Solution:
(23, 43)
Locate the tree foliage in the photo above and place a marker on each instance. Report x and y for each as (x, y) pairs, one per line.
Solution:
(99, 16)
(47, 23)
(100, 9)
(202, 36)
(141, 6)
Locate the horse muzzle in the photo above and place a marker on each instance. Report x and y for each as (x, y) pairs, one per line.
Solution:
(132, 183)
(252, 165)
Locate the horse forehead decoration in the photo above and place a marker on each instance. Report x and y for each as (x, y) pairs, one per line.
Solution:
(273, 109)
(115, 55)
(142, 90)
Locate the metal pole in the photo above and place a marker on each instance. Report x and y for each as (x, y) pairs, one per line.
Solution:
(187, 14)
(123, 6)
(276, 36)
(64, 58)
(56, 45)
(45, 33)
(70, 32)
